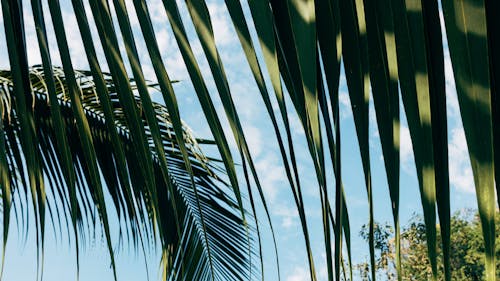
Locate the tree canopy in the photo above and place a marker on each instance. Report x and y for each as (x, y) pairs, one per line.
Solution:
(467, 250)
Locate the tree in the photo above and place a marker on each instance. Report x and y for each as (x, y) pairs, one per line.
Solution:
(385, 258)
(387, 48)
(467, 250)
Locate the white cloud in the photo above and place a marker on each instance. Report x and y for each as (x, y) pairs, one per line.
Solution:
(75, 42)
(254, 140)
(165, 40)
(253, 136)
(223, 30)
(406, 149)
(157, 12)
(228, 132)
(246, 96)
(29, 25)
(459, 164)
(299, 274)
(357, 202)
(288, 215)
(372, 119)
(460, 170)
(345, 105)
(451, 91)
(323, 271)
(295, 124)
(271, 175)
(134, 21)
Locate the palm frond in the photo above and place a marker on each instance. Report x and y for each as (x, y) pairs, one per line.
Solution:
(185, 256)
(388, 48)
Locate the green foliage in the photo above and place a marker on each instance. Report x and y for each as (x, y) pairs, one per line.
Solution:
(466, 255)
(191, 213)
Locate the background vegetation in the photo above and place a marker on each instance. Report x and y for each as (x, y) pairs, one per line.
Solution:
(467, 250)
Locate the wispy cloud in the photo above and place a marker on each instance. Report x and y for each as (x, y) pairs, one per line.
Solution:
(271, 175)
(298, 274)
(287, 213)
(460, 169)
(406, 150)
(254, 138)
(345, 109)
(296, 125)
(223, 28)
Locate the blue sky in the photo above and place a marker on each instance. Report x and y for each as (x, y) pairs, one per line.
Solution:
(60, 261)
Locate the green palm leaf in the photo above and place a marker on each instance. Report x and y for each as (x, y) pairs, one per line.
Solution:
(185, 256)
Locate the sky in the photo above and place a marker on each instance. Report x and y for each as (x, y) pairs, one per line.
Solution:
(60, 263)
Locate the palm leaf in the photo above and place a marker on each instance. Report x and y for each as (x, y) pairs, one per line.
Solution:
(223, 229)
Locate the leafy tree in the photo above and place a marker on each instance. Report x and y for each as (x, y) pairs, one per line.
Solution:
(467, 250)
(384, 251)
